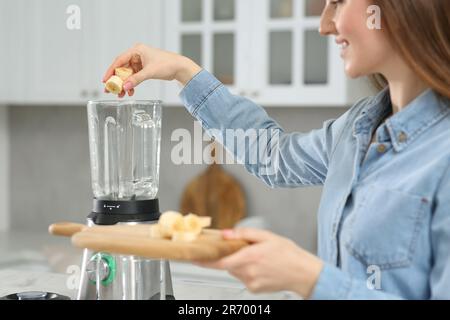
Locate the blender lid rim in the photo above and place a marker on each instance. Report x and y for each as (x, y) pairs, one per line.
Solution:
(125, 101)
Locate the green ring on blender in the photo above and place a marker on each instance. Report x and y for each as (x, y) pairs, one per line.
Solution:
(111, 262)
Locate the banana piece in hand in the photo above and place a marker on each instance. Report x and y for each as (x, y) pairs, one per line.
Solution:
(123, 73)
(115, 83)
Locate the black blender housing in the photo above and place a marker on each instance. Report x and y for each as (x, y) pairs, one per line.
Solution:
(110, 212)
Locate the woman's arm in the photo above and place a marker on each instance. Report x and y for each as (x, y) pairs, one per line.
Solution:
(273, 263)
(257, 141)
(303, 158)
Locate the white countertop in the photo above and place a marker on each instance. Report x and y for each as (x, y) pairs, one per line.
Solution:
(38, 262)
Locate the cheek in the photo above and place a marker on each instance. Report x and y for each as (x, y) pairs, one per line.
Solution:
(368, 53)
(368, 48)
(351, 17)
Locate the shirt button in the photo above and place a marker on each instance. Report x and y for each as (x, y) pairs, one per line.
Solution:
(402, 137)
(381, 148)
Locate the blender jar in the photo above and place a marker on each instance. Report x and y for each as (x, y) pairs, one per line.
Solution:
(124, 141)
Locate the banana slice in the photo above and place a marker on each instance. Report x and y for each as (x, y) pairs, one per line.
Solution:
(114, 85)
(155, 231)
(171, 222)
(205, 222)
(184, 236)
(173, 225)
(192, 224)
(123, 73)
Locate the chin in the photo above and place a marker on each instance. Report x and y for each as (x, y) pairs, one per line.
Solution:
(352, 72)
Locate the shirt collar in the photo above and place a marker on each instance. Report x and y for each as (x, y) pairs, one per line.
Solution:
(378, 108)
(422, 113)
(404, 126)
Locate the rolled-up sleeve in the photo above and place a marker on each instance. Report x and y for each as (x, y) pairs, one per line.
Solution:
(301, 159)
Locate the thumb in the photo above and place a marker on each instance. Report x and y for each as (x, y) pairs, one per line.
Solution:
(248, 234)
(134, 80)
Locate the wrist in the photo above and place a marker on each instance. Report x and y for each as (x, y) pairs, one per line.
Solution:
(311, 267)
(186, 71)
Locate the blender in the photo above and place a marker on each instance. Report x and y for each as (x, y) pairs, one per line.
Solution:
(124, 143)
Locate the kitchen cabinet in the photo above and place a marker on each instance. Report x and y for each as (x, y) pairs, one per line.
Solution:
(66, 60)
(4, 49)
(12, 44)
(57, 51)
(123, 24)
(267, 50)
(215, 34)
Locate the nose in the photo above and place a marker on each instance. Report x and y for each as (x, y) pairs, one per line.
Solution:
(327, 24)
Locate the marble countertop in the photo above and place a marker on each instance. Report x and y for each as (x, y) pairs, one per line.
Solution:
(39, 262)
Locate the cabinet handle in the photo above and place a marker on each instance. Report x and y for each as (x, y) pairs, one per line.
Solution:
(84, 93)
(243, 93)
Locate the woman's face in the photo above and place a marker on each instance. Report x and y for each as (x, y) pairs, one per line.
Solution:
(363, 50)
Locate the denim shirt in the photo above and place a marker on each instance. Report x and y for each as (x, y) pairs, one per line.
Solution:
(384, 217)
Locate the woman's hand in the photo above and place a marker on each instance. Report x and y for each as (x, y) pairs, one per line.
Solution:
(151, 63)
(271, 263)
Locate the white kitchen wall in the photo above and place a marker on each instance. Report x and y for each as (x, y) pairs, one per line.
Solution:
(51, 177)
(4, 169)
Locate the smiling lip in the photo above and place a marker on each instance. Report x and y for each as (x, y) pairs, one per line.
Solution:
(344, 44)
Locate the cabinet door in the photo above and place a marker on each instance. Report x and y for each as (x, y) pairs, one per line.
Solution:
(4, 52)
(122, 25)
(293, 64)
(56, 36)
(66, 61)
(14, 62)
(213, 33)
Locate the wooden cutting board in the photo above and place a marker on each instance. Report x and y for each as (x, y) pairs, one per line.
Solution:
(136, 240)
(217, 194)
(206, 247)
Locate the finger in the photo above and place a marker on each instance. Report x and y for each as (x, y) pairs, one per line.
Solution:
(134, 80)
(239, 273)
(216, 264)
(136, 63)
(122, 94)
(131, 92)
(120, 61)
(248, 234)
(236, 260)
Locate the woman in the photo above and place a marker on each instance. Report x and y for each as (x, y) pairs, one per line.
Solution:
(384, 219)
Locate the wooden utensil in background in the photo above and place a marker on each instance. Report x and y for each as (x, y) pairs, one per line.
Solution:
(215, 193)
